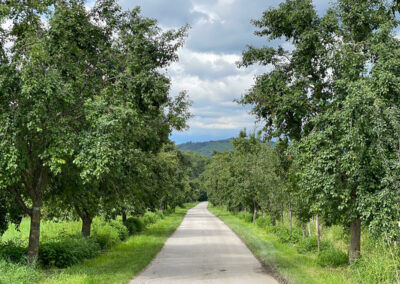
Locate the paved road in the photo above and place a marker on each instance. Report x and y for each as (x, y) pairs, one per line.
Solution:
(204, 250)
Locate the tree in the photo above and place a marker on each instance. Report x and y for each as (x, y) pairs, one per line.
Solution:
(245, 178)
(82, 90)
(321, 96)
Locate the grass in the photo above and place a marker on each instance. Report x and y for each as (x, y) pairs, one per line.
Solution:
(125, 260)
(17, 273)
(48, 230)
(283, 260)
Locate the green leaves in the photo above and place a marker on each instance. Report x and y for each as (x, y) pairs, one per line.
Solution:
(334, 94)
(85, 109)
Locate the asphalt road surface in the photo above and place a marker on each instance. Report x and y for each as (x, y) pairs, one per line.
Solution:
(204, 250)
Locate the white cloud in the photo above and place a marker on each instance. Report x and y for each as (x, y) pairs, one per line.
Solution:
(213, 81)
(207, 69)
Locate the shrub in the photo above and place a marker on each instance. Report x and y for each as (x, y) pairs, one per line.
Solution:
(121, 229)
(263, 222)
(169, 210)
(150, 218)
(160, 214)
(245, 216)
(134, 225)
(283, 234)
(105, 235)
(332, 256)
(13, 252)
(310, 244)
(65, 252)
(17, 273)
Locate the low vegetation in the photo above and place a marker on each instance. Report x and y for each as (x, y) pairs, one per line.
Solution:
(111, 255)
(296, 259)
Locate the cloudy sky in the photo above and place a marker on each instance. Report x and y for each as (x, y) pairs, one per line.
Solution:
(220, 31)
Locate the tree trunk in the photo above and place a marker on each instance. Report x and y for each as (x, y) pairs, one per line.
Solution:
(263, 214)
(309, 228)
(318, 233)
(86, 226)
(86, 220)
(34, 234)
(273, 221)
(290, 219)
(35, 190)
(282, 221)
(355, 240)
(303, 229)
(254, 211)
(123, 217)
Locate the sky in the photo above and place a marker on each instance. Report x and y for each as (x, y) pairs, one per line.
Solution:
(207, 69)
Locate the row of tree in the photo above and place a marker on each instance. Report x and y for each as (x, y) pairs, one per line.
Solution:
(333, 100)
(85, 114)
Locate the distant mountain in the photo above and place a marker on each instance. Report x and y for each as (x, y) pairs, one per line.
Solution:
(207, 148)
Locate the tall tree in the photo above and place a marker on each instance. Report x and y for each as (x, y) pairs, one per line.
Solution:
(320, 95)
(85, 88)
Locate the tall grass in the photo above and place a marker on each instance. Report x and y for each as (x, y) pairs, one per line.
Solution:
(62, 246)
(297, 260)
(11, 273)
(123, 261)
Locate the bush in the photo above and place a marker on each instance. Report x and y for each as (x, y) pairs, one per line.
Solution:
(105, 235)
(67, 251)
(263, 222)
(310, 244)
(13, 252)
(160, 214)
(134, 225)
(121, 229)
(150, 218)
(245, 216)
(332, 256)
(17, 273)
(284, 236)
(169, 210)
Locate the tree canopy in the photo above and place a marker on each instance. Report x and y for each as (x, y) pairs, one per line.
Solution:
(85, 107)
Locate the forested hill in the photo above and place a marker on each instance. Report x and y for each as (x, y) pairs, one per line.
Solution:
(207, 148)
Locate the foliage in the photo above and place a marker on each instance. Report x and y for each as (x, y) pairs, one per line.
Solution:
(123, 261)
(105, 235)
(13, 251)
(334, 95)
(244, 216)
(332, 257)
(122, 230)
(65, 252)
(150, 218)
(284, 235)
(85, 113)
(134, 225)
(282, 259)
(309, 244)
(263, 222)
(17, 273)
(244, 179)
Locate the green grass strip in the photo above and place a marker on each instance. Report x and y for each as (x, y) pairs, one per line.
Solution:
(125, 260)
(280, 259)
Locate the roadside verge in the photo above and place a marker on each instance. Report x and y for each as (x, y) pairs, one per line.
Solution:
(281, 260)
(125, 260)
